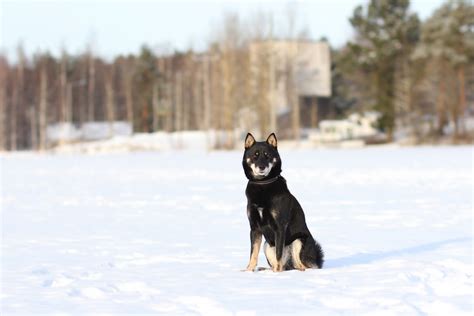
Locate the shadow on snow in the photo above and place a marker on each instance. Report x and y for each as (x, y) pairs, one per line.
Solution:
(365, 258)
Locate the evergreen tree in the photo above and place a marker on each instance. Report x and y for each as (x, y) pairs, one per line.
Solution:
(447, 49)
(146, 75)
(385, 31)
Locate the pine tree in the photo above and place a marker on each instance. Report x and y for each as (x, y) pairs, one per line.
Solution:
(146, 76)
(384, 32)
(447, 49)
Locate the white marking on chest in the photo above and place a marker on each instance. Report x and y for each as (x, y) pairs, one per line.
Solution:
(260, 212)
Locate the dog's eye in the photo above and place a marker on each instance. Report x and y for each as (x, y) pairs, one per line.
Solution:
(256, 154)
(265, 154)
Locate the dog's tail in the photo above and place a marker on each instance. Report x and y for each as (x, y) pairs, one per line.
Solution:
(319, 255)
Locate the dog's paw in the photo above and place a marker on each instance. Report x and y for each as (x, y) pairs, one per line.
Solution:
(248, 269)
(277, 268)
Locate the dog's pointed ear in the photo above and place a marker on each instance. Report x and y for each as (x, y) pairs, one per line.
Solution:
(249, 141)
(272, 140)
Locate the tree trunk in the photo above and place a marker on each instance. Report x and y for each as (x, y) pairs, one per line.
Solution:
(271, 92)
(197, 98)
(110, 100)
(33, 128)
(185, 106)
(207, 95)
(169, 96)
(69, 106)
(43, 108)
(462, 97)
(91, 88)
(178, 102)
(81, 102)
(145, 127)
(226, 101)
(63, 90)
(441, 106)
(17, 102)
(206, 84)
(155, 104)
(3, 105)
(13, 117)
(127, 88)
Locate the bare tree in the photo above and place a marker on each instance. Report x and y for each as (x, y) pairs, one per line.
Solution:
(462, 98)
(3, 103)
(198, 96)
(263, 72)
(206, 93)
(185, 106)
(441, 100)
(168, 77)
(43, 104)
(155, 105)
(127, 88)
(82, 89)
(292, 92)
(91, 85)
(110, 98)
(18, 93)
(178, 103)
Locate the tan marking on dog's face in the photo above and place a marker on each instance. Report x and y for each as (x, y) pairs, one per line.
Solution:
(274, 213)
(259, 173)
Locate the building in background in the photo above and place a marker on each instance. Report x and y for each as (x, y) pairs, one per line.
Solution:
(297, 78)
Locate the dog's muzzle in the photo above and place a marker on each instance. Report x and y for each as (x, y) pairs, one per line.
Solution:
(259, 172)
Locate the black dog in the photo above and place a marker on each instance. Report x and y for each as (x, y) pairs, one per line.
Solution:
(274, 212)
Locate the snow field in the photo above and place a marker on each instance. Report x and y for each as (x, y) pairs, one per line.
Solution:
(167, 233)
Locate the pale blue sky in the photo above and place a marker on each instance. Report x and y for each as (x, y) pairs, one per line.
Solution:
(121, 27)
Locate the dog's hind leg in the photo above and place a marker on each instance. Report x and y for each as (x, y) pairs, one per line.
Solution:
(295, 248)
(270, 253)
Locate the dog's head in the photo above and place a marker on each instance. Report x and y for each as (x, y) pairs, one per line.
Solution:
(261, 159)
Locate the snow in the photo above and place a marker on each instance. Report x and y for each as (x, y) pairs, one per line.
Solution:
(69, 132)
(157, 141)
(167, 233)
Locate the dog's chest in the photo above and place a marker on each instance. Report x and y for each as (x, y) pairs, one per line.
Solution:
(262, 214)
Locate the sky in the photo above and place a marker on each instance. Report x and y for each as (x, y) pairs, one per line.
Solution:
(120, 27)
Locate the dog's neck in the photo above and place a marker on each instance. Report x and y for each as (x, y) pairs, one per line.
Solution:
(266, 181)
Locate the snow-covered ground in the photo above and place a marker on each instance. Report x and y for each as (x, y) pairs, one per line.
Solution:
(167, 233)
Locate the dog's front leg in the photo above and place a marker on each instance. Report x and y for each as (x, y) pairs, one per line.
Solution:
(279, 244)
(255, 242)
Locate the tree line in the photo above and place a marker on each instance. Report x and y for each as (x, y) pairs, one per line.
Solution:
(419, 76)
